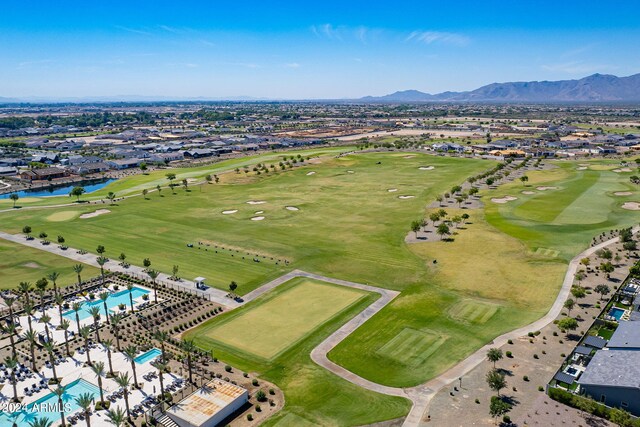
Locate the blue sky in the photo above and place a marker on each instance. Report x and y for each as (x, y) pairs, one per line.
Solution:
(328, 49)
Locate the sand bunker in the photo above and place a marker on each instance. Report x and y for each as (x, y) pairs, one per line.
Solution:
(504, 199)
(351, 172)
(623, 193)
(257, 218)
(583, 164)
(392, 190)
(311, 173)
(528, 192)
(631, 206)
(291, 208)
(581, 168)
(256, 202)
(406, 197)
(94, 213)
(258, 212)
(622, 170)
(190, 180)
(229, 212)
(62, 216)
(425, 168)
(546, 188)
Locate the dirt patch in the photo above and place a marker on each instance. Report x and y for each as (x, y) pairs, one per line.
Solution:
(546, 188)
(256, 202)
(95, 213)
(229, 212)
(257, 218)
(291, 208)
(623, 193)
(406, 197)
(502, 200)
(631, 206)
(32, 264)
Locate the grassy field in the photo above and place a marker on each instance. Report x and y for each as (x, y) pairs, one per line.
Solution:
(280, 320)
(350, 190)
(22, 264)
(313, 395)
(564, 218)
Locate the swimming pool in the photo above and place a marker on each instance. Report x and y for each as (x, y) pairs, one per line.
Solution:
(46, 406)
(148, 356)
(63, 190)
(616, 312)
(114, 300)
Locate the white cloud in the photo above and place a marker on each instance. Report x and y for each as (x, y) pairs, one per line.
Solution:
(442, 37)
(133, 30)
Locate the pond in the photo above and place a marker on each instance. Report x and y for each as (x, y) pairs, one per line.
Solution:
(89, 186)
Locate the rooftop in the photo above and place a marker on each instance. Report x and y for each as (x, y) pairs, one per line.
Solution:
(206, 402)
(627, 336)
(616, 368)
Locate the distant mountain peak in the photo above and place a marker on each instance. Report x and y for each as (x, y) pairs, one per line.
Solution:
(594, 88)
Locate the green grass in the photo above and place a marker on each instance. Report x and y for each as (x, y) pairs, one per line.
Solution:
(282, 319)
(473, 311)
(314, 396)
(411, 347)
(23, 264)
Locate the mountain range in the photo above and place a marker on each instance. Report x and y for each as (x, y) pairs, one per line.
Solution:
(594, 88)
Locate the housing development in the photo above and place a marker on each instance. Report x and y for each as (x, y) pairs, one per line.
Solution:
(318, 253)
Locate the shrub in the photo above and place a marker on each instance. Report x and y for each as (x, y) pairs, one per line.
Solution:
(510, 341)
(509, 354)
(254, 382)
(258, 409)
(245, 375)
(261, 396)
(272, 391)
(506, 419)
(535, 356)
(227, 368)
(525, 378)
(249, 417)
(477, 401)
(540, 388)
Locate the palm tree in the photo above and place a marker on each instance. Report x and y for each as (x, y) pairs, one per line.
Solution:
(59, 391)
(108, 345)
(153, 274)
(10, 329)
(24, 288)
(115, 323)
(49, 348)
(78, 269)
(130, 289)
(161, 367)
(98, 370)
(85, 332)
(41, 422)
(65, 325)
(103, 297)
(76, 306)
(161, 337)
(84, 401)
(123, 381)
(28, 310)
(32, 337)
(41, 286)
(130, 354)
(117, 416)
(12, 363)
(95, 313)
(53, 276)
(189, 348)
(46, 319)
(59, 301)
(101, 262)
